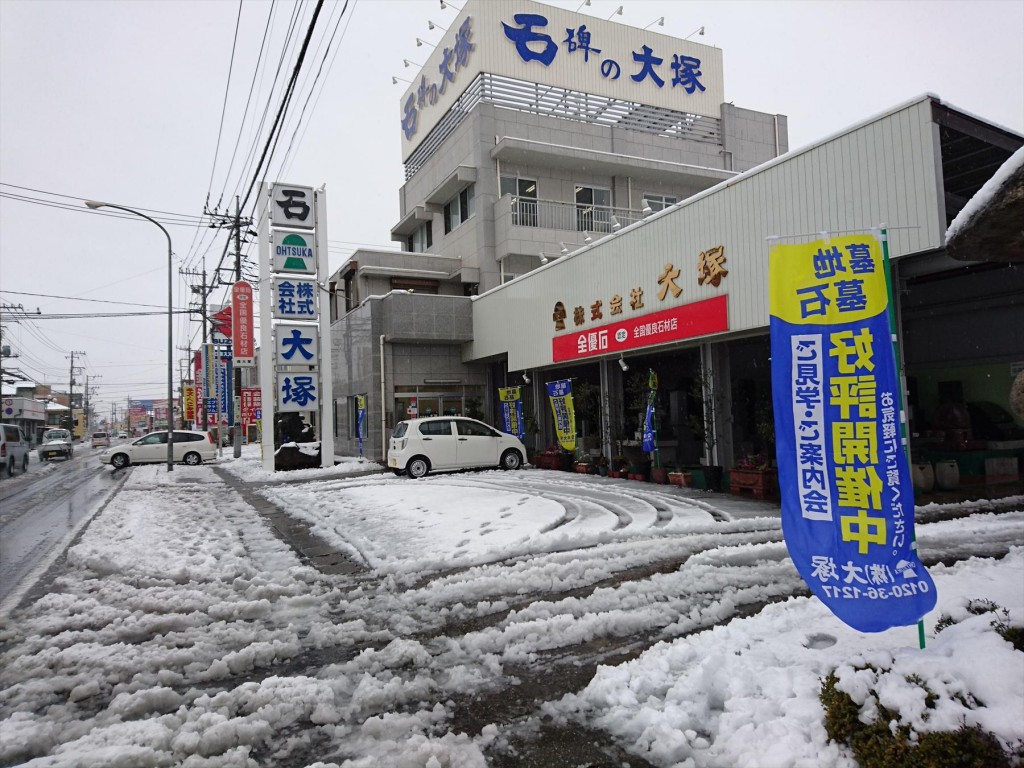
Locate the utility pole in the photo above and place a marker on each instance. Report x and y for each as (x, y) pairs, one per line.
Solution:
(71, 396)
(204, 291)
(237, 394)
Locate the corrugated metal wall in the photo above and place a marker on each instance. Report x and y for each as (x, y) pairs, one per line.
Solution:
(884, 171)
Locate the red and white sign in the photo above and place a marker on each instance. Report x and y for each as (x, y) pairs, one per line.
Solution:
(221, 322)
(242, 339)
(252, 398)
(682, 322)
(200, 382)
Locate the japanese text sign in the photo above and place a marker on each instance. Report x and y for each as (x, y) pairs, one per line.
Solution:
(560, 395)
(562, 49)
(297, 392)
(252, 399)
(291, 206)
(188, 395)
(297, 344)
(511, 411)
(686, 321)
(243, 342)
(294, 298)
(847, 497)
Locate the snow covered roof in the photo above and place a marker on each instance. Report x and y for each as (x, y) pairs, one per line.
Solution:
(989, 227)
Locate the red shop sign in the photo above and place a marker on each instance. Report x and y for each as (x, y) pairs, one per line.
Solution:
(683, 322)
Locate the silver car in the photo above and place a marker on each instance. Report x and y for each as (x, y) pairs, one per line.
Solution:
(190, 446)
(438, 443)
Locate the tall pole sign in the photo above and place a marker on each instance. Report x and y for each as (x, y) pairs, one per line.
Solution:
(295, 364)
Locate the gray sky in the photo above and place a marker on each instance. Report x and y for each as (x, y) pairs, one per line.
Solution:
(121, 101)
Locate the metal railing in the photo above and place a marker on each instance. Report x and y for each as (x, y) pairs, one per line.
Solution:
(577, 217)
(566, 104)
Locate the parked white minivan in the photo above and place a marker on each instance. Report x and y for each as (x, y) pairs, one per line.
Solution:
(14, 449)
(438, 443)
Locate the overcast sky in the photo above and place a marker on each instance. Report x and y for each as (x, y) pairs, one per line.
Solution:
(122, 102)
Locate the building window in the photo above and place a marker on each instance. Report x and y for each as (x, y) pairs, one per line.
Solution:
(459, 208)
(422, 239)
(414, 284)
(593, 209)
(524, 196)
(659, 202)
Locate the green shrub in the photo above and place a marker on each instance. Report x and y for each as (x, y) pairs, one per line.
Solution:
(878, 745)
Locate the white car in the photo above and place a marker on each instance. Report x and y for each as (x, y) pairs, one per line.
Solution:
(438, 443)
(14, 448)
(56, 443)
(190, 446)
(100, 439)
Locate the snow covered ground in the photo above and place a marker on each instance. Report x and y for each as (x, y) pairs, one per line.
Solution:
(184, 632)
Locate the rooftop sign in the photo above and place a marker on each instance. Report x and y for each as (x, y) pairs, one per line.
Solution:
(551, 46)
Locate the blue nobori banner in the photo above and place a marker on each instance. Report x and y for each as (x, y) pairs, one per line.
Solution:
(847, 497)
(560, 395)
(512, 411)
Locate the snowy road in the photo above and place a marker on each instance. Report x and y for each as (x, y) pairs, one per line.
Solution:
(489, 614)
(42, 507)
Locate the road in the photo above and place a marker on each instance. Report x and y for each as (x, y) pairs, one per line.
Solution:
(41, 508)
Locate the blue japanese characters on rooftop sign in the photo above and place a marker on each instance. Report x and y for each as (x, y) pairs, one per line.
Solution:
(428, 92)
(533, 43)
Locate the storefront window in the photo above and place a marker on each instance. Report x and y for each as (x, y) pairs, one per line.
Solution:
(419, 402)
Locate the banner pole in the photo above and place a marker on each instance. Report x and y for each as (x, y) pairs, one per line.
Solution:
(901, 394)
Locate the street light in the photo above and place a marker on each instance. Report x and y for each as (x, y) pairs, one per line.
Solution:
(170, 324)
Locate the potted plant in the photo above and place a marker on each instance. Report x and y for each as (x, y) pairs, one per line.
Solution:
(681, 479)
(618, 467)
(754, 475)
(601, 465)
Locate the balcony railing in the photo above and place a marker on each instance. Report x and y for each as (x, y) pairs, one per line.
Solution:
(555, 214)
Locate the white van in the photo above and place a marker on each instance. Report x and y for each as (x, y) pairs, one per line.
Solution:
(100, 439)
(14, 449)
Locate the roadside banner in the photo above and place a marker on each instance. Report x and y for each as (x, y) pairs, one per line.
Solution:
(512, 411)
(360, 420)
(560, 395)
(847, 496)
(650, 441)
(189, 396)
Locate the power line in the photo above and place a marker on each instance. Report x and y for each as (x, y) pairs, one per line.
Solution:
(274, 130)
(79, 198)
(224, 106)
(76, 298)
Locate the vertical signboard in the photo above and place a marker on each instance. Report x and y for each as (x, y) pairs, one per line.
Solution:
(560, 394)
(189, 404)
(295, 364)
(242, 341)
(512, 411)
(847, 497)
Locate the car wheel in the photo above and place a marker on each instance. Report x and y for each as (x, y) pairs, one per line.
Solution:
(119, 460)
(9, 469)
(398, 472)
(511, 459)
(418, 467)
(24, 463)
(193, 459)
